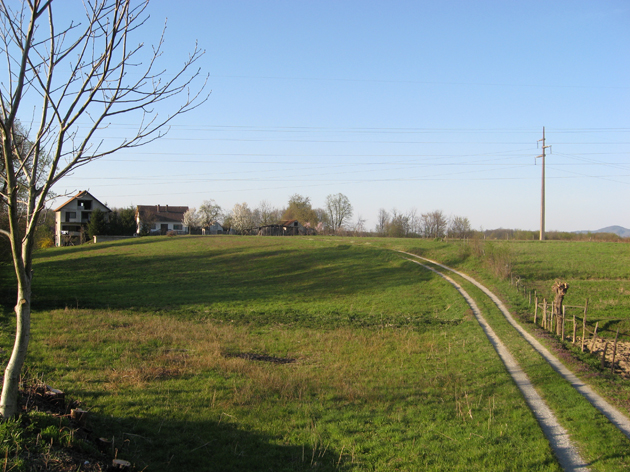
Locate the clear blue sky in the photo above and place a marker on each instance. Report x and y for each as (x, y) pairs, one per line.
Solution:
(425, 105)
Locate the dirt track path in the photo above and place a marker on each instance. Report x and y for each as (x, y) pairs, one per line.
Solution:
(566, 453)
(614, 415)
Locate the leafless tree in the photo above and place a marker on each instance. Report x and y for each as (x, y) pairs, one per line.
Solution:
(434, 224)
(359, 226)
(83, 75)
(268, 214)
(414, 222)
(338, 210)
(381, 221)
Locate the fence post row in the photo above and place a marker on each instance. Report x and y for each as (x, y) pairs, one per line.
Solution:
(547, 322)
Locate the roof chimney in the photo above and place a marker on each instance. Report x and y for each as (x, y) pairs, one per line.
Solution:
(167, 208)
(158, 207)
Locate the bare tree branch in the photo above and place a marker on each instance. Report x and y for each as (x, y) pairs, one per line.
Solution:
(80, 72)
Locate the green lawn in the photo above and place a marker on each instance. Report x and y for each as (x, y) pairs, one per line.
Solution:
(243, 353)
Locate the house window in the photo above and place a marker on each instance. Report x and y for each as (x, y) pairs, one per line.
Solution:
(85, 204)
(70, 215)
(177, 227)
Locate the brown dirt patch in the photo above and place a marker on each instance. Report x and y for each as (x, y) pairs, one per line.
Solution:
(36, 396)
(251, 356)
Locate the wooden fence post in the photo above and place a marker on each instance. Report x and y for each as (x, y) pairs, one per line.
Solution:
(574, 328)
(545, 313)
(583, 329)
(536, 310)
(604, 354)
(594, 337)
(563, 313)
(612, 366)
(585, 306)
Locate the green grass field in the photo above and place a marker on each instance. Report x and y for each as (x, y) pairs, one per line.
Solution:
(596, 271)
(243, 353)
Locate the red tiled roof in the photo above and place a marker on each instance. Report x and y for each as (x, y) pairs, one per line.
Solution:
(163, 212)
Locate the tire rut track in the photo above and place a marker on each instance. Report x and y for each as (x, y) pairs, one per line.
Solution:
(558, 437)
(614, 415)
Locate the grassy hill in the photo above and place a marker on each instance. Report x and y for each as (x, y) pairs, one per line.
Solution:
(242, 353)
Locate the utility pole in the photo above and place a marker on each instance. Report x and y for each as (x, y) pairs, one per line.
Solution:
(542, 199)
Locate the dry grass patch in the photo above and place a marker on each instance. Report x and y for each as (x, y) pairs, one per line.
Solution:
(137, 349)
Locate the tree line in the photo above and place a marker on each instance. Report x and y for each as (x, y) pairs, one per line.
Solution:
(434, 224)
(333, 217)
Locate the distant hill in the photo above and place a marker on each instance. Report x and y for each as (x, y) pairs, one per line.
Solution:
(618, 230)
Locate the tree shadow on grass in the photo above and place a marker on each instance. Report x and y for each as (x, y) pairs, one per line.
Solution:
(82, 248)
(279, 276)
(162, 444)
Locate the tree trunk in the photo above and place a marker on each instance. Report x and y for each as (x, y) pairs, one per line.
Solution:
(560, 289)
(10, 387)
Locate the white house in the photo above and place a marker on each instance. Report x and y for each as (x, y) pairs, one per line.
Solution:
(160, 219)
(72, 217)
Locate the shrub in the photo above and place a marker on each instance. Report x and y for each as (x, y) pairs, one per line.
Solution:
(500, 259)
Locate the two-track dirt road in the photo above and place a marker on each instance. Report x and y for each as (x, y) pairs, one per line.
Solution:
(558, 437)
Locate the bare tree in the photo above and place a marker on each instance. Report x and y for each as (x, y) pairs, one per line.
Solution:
(268, 214)
(359, 226)
(434, 224)
(338, 210)
(84, 75)
(414, 222)
(381, 221)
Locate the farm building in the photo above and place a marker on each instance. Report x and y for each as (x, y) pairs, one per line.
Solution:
(160, 219)
(283, 228)
(72, 218)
